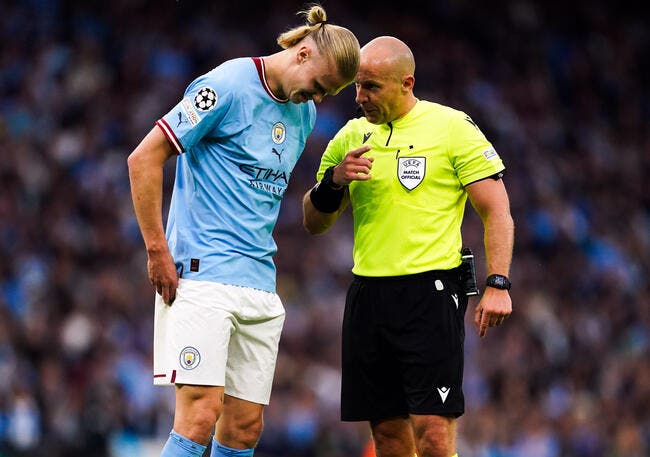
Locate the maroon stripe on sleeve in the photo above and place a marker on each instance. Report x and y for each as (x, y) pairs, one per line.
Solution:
(171, 136)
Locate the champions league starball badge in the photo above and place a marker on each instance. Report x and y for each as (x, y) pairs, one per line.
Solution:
(205, 99)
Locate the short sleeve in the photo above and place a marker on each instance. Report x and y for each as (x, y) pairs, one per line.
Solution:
(472, 155)
(336, 149)
(204, 106)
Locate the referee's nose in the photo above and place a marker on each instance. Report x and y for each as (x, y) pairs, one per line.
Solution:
(361, 95)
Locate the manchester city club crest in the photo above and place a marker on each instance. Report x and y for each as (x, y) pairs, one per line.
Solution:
(410, 171)
(279, 133)
(190, 358)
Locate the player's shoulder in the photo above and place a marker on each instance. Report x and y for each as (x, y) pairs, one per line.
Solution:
(226, 79)
(234, 70)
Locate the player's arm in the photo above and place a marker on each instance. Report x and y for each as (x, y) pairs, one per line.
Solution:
(490, 200)
(324, 203)
(146, 164)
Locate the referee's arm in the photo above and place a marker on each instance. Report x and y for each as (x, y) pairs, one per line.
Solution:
(317, 222)
(321, 206)
(490, 200)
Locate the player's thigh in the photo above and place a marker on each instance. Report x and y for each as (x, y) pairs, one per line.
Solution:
(252, 356)
(192, 336)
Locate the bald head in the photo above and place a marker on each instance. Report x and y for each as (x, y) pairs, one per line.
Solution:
(390, 55)
(385, 80)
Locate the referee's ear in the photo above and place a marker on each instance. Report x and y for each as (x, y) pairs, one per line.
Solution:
(408, 82)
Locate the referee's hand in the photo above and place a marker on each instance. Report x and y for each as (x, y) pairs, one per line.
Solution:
(495, 307)
(354, 167)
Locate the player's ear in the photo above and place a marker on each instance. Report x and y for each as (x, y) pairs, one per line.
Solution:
(303, 54)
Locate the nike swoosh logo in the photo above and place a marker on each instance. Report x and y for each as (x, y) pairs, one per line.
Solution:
(455, 297)
(443, 392)
(366, 136)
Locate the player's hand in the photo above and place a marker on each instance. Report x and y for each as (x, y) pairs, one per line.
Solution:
(354, 167)
(495, 307)
(163, 275)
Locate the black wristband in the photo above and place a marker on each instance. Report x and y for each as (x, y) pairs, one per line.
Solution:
(324, 197)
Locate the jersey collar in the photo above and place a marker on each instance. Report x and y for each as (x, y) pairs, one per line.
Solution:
(261, 71)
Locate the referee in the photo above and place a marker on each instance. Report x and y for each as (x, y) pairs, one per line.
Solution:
(406, 168)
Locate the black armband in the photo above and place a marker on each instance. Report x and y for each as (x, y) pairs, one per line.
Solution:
(324, 196)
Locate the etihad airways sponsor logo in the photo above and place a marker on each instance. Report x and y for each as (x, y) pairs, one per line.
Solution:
(266, 179)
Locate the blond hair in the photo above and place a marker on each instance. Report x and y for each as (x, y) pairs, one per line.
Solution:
(331, 40)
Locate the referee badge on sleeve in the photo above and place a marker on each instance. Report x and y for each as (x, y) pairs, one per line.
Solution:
(410, 171)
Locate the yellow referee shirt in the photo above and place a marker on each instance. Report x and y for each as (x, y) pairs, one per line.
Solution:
(407, 217)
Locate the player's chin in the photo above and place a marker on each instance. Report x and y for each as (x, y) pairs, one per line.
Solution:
(299, 98)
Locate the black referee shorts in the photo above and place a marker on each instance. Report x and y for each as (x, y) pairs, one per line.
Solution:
(403, 346)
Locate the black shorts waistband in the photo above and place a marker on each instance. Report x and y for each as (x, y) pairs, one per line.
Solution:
(453, 274)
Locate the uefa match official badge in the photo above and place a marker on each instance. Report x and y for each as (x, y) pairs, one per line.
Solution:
(190, 358)
(279, 133)
(410, 171)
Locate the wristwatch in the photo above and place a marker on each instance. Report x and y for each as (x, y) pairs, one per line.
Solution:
(328, 179)
(498, 282)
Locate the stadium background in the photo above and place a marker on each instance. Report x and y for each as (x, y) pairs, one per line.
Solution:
(560, 89)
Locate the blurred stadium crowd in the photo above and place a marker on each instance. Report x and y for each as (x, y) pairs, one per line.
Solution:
(558, 89)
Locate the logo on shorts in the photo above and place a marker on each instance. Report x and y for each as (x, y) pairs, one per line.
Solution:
(190, 358)
(443, 391)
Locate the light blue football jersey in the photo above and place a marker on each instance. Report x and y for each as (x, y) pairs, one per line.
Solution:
(237, 145)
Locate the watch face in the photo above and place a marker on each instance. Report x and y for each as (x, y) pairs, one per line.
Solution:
(499, 282)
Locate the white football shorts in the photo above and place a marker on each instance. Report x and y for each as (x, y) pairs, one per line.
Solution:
(218, 335)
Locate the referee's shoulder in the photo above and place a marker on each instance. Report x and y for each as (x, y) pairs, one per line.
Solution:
(441, 110)
(357, 124)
